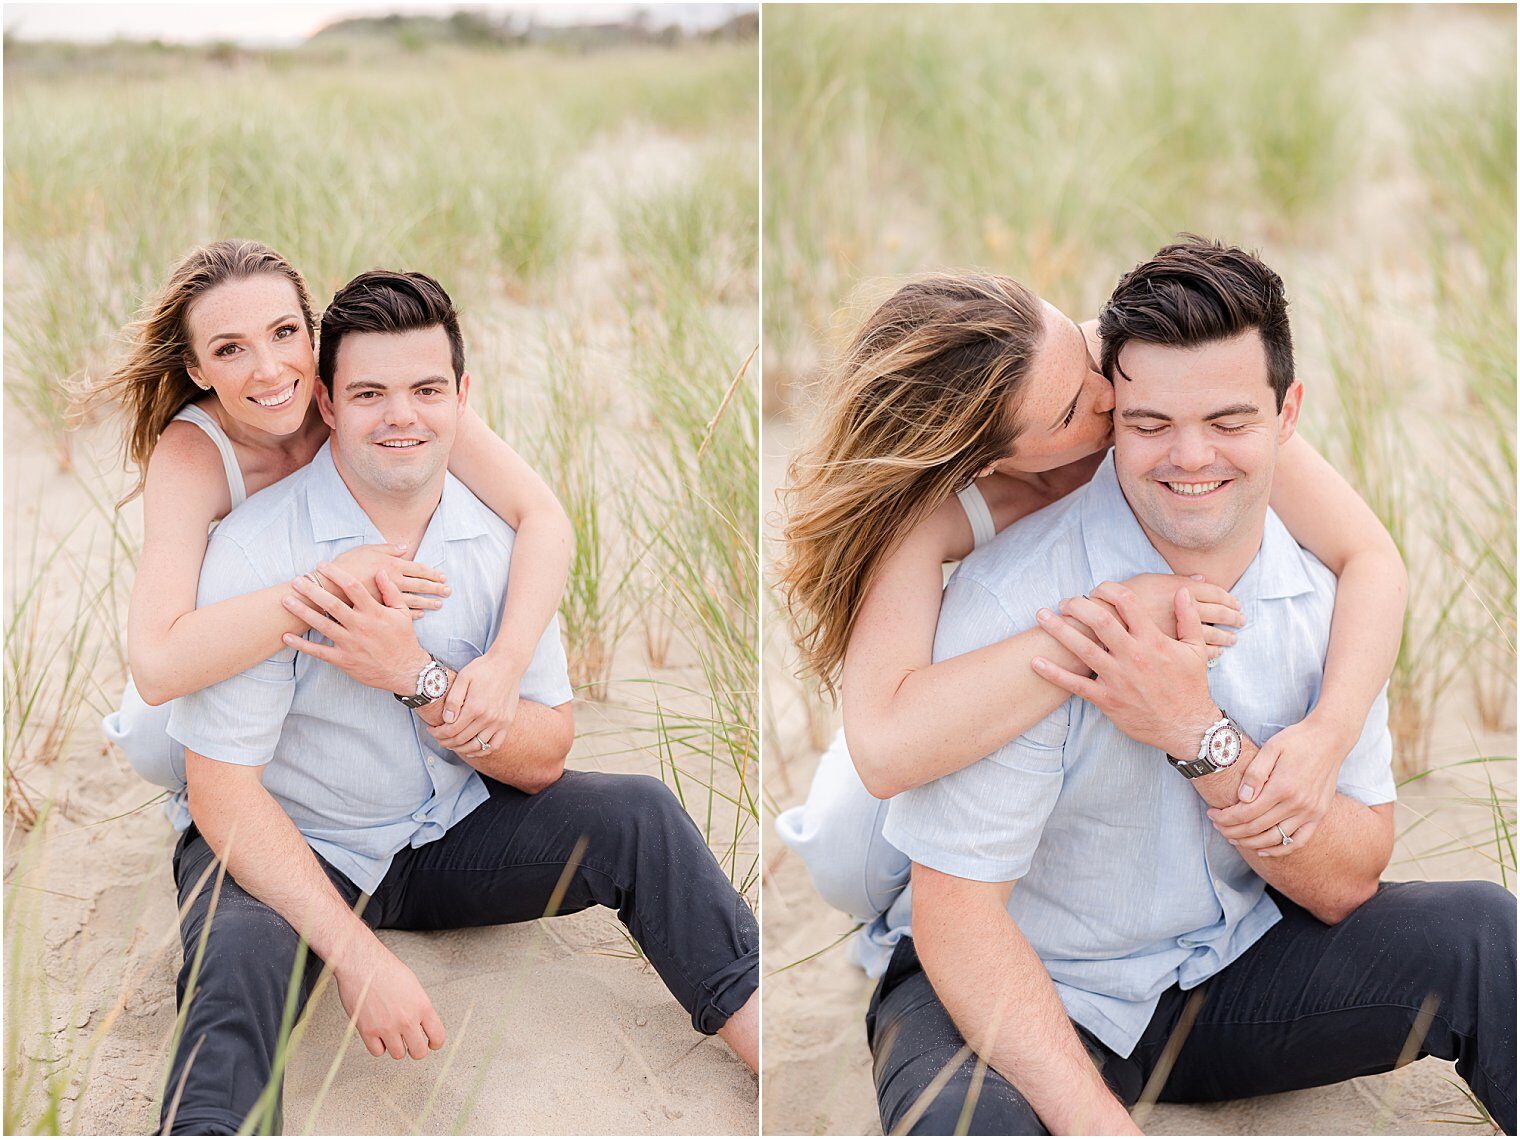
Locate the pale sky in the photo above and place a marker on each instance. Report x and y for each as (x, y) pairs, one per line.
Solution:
(288, 23)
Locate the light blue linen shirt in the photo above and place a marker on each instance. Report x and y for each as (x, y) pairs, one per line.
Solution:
(1124, 886)
(356, 771)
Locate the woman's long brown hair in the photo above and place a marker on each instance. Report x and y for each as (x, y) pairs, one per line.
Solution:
(153, 383)
(915, 407)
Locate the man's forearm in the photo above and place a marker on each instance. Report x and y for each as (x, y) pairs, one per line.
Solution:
(270, 859)
(1001, 998)
(1334, 876)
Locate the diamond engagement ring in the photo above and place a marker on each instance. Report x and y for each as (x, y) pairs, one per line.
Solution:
(1287, 840)
(485, 746)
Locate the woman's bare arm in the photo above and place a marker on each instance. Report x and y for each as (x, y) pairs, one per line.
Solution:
(173, 647)
(488, 466)
(1326, 516)
(908, 721)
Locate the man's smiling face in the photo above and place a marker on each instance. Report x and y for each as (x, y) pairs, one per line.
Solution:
(1196, 434)
(395, 408)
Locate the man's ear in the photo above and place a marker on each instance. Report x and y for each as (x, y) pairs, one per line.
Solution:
(464, 390)
(1287, 419)
(325, 404)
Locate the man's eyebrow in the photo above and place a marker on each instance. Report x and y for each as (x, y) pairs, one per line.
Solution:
(375, 385)
(238, 336)
(1222, 413)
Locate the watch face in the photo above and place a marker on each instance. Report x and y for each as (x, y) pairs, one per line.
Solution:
(1224, 746)
(435, 682)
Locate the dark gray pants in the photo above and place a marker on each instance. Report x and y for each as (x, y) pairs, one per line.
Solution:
(1308, 1005)
(645, 858)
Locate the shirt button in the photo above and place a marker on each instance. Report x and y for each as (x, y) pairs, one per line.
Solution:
(1218, 886)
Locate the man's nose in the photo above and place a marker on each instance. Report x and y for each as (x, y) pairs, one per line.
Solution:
(399, 411)
(1191, 449)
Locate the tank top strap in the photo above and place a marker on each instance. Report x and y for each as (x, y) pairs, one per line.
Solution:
(208, 424)
(974, 503)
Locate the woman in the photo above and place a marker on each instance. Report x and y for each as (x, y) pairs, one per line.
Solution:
(963, 404)
(218, 390)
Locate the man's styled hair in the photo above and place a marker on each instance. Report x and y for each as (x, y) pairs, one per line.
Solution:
(1195, 292)
(387, 301)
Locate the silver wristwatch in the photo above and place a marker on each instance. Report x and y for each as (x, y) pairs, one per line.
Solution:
(432, 683)
(1219, 749)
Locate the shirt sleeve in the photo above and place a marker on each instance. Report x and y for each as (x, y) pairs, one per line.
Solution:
(236, 721)
(984, 821)
(1367, 772)
(547, 679)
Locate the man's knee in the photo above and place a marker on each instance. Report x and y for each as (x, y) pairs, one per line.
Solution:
(1459, 937)
(1472, 914)
(642, 807)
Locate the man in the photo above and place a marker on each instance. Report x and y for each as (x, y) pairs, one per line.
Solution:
(1141, 944)
(317, 777)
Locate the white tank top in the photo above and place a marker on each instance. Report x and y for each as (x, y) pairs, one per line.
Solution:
(974, 503)
(207, 423)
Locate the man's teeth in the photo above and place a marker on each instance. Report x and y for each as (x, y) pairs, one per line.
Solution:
(276, 400)
(399, 442)
(1195, 488)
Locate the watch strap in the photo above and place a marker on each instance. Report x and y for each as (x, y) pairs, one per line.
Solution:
(420, 698)
(1201, 765)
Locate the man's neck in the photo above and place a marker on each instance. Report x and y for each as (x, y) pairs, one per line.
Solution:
(398, 518)
(1222, 565)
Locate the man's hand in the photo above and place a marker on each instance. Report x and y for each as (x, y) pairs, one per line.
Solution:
(388, 1004)
(481, 704)
(1154, 689)
(372, 641)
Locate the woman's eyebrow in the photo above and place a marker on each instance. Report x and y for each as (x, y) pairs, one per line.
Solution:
(238, 336)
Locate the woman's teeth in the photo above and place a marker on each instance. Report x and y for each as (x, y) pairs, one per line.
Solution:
(1195, 488)
(276, 400)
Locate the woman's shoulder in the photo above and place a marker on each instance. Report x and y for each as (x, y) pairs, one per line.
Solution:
(186, 466)
(185, 448)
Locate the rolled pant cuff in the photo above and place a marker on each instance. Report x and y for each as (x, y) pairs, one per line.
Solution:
(725, 992)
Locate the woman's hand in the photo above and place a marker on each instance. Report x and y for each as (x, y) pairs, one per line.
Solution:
(1290, 783)
(423, 587)
(1216, 607)
(481, 705)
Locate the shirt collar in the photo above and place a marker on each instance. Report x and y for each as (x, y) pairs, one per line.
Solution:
(1117, 547)
(336, 514)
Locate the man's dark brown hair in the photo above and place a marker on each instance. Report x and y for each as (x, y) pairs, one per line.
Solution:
(1193, 293)
(387, 301)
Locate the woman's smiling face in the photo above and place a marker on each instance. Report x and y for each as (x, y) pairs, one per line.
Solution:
(252, 348)
(1064, 406)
